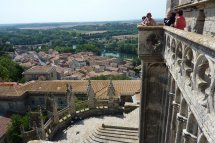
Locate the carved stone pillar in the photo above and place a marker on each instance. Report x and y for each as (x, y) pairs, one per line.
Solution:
(55, 112)
(173, 122)
(154, 83)
(70, 99)
(110, 95)
(170, 110)
(181, 124)
(202, 139)
(188, 137)
(43, 134)
(91, 96)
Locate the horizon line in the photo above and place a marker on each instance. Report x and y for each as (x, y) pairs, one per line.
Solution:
(4, 24)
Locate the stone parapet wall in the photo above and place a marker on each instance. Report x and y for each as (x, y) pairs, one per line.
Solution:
(199, 14)
(190, 62)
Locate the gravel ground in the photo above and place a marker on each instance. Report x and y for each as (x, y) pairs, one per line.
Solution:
(80, 131)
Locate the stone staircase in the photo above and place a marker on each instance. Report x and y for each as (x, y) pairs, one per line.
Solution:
(113, 134)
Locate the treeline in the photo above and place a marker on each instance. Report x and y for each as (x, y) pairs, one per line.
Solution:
(123, 46)
(65, 36)
(108, 27)
(5, 46)
(63, 39)
(9, 70)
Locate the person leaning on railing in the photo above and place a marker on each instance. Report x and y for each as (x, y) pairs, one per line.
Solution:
(143, 18)
(149, 21)
(170, 19)
(180, 20)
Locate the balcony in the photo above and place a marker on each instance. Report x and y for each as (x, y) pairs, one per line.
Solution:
(190, 59)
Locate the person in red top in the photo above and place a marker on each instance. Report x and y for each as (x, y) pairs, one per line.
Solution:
(180, 20)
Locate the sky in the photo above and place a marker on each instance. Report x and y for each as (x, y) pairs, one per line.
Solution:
(39, 11)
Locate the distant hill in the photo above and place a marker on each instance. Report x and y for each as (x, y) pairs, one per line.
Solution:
(46, 26)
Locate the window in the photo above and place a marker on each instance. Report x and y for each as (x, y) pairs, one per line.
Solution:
(32, 102)
(10, 105)
(41, 100)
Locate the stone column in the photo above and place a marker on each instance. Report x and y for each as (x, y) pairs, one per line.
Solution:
(173, 122)
(55, 112)
(154, 85)
(143, 101)
(43, 134)
(71, 99)
(110, 95)
(181, 123)
(188, 137)
(91, 96)
(170, 108)
(202, 139)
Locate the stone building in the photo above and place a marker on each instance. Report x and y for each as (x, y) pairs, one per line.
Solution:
(17, 98)
(61, 102)
(41, 73)
(178, 77)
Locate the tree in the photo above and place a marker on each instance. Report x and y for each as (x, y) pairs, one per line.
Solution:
(9, 70)
(14, 133)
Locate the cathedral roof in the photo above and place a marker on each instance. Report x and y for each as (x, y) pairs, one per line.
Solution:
(100, 87)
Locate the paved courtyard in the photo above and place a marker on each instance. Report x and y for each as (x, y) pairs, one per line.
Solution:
(81, 130)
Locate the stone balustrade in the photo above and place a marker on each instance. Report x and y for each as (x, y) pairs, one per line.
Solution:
(63, 118)
(190, 60)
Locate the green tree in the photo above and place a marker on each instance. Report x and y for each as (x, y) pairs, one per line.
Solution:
(14, 133)
(9, 70)
(90, 47)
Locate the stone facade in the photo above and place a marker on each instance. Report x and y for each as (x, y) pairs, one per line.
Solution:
(60, 119)
(177, 103)
(41, 73)
(199, 14)
(177, 94)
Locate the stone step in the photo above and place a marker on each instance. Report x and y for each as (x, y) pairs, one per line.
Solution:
(119, 127)
(88, 140)
(117, 136)
(118, 132)
(93, 139)
(109, 139)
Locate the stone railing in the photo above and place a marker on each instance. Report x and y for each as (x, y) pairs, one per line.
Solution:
(190, 59)
(48, 123)
(64, 117)
(191, 3)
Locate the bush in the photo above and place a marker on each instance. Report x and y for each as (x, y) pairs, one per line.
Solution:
(14, 132)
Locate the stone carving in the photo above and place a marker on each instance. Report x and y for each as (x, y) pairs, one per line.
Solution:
(91, 96)
(70, 99)
(191, 65)
(151, 43)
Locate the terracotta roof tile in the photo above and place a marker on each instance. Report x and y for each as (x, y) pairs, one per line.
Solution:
(39, 69)
(4, 122)
(122, 87)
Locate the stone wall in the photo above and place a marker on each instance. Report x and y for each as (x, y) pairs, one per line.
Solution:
(183, 112)
(154, 85)
(199, 14)
(12, 105)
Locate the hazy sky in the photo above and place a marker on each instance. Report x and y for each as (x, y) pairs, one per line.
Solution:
(30, 11)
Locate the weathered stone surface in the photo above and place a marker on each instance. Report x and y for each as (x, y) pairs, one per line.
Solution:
(190, 59)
